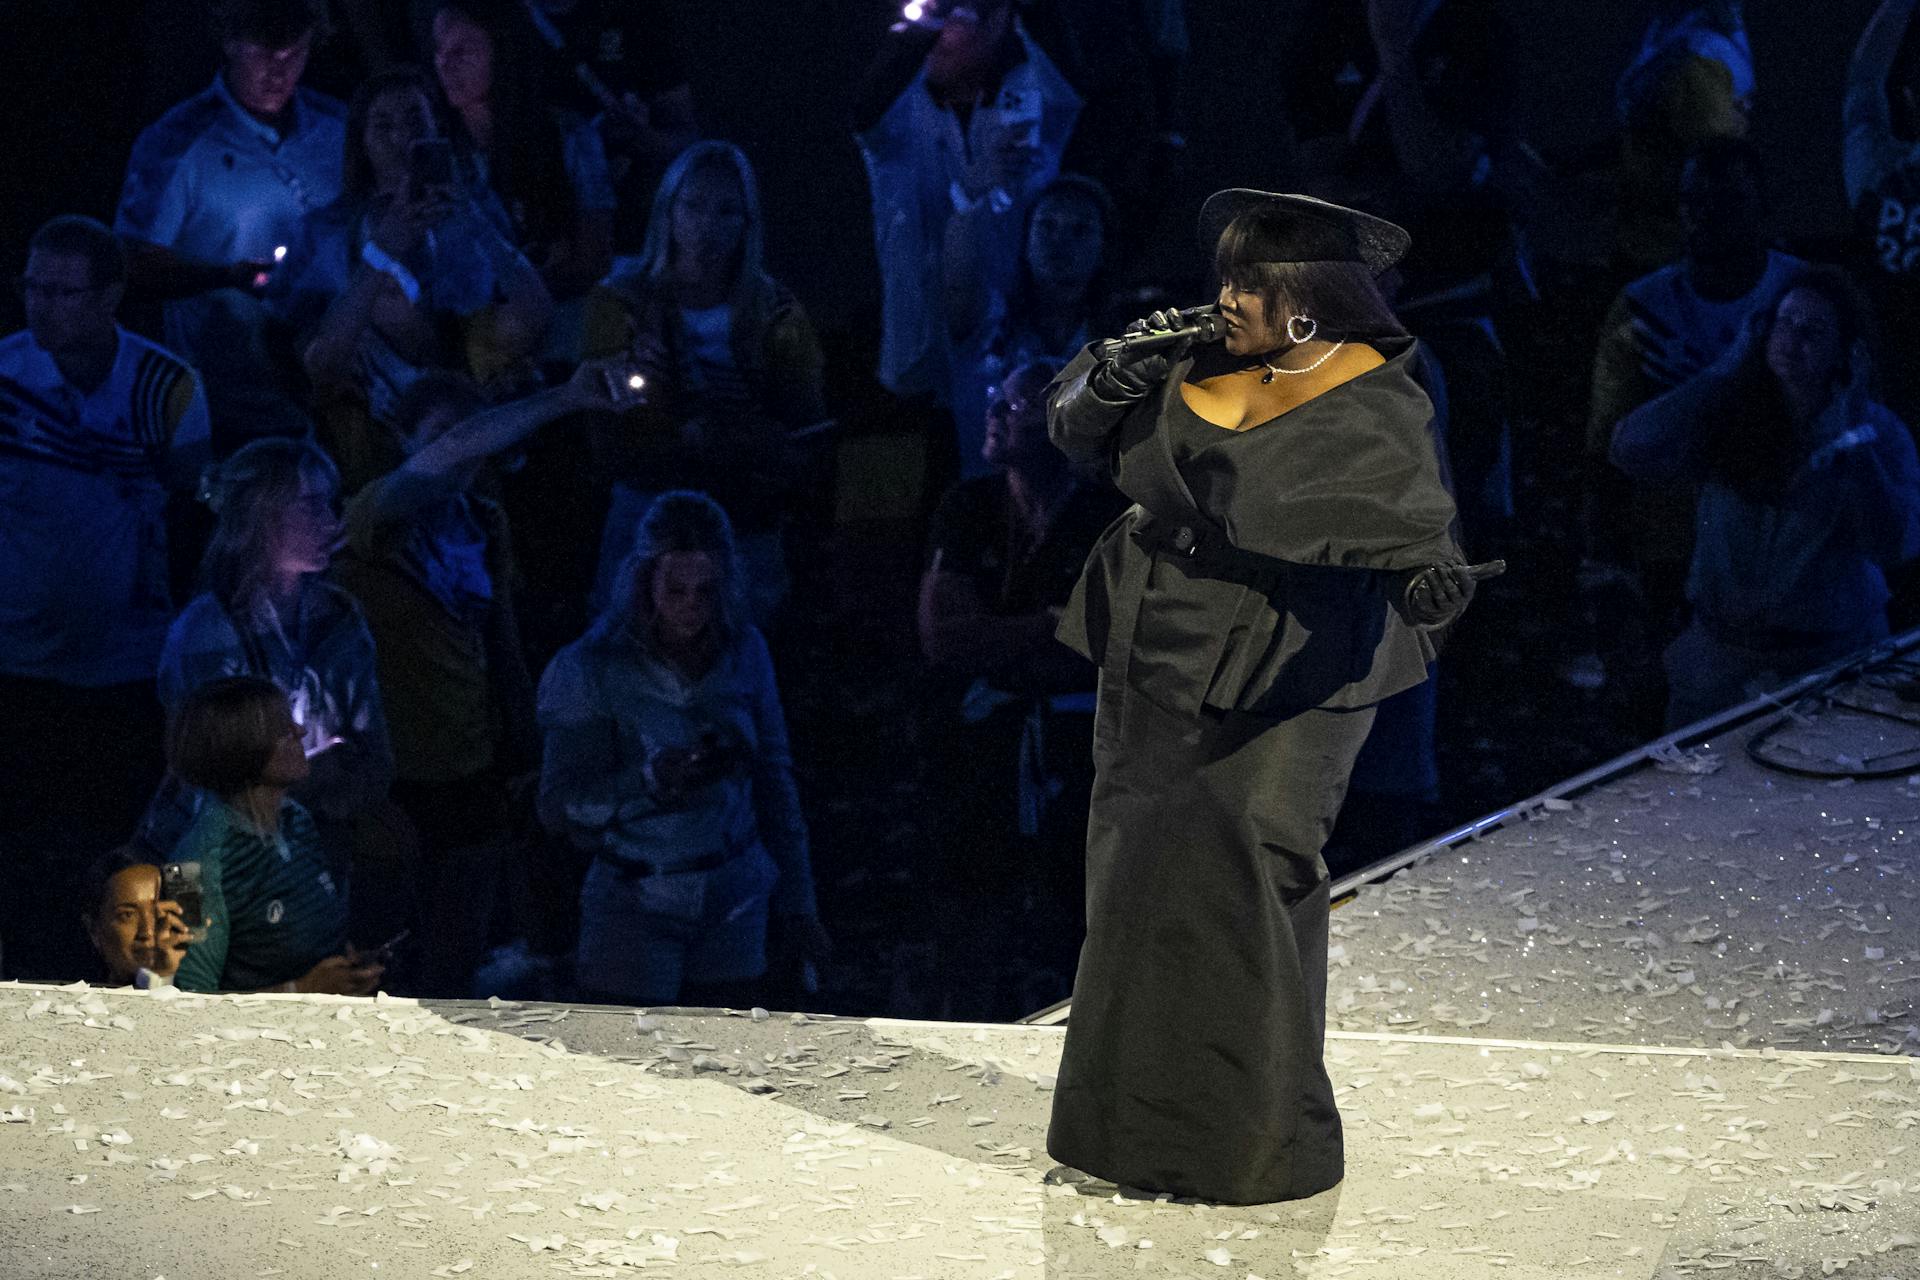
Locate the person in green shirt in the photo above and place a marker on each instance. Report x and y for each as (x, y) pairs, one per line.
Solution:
(275, 918)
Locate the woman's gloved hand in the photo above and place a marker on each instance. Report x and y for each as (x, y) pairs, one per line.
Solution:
(1133, 375)
(1440, 593)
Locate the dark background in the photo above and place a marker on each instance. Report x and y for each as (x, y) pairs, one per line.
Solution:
(83, 76)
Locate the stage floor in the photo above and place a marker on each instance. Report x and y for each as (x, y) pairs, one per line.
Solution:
(1662, 1031)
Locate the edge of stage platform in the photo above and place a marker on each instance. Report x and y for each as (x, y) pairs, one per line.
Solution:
(1776, 703)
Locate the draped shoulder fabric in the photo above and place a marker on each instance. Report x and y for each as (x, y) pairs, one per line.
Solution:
(1314, 519)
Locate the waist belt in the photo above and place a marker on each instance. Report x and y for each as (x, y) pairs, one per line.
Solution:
(639, 868)
(1206, 547)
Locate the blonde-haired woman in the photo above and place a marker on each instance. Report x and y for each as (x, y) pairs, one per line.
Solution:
(666, 758)
(265, 609)
(732, 364)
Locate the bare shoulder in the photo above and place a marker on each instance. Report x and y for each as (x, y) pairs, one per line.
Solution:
(1353, 360)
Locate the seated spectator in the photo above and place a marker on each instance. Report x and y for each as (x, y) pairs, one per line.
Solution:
(404, 273)
(276, 917)
(615, 64)
(138, 936)
(215, 193)
(1662, 330)
(97, 428)
(1882, 162)
(1809, 490)
(1014, 749)
(961, 108)
(1043, 304)
(1691, 81)
(732, 365)
(429, 562)
(266, 610)
(666, 757)
(547, 166)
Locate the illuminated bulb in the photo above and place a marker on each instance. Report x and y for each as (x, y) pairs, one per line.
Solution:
(913, 11)
(279, 253)
(635, 382)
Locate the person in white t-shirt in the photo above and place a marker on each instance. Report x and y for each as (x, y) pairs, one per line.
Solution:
(216, 192)
(97, 426)
(962, 109)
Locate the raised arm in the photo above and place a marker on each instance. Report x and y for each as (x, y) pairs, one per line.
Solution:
(1868, 146)
(1087, 400)
(902, 52)
(330, 353)
(430, 474)
(1434, 154)
(981, 255)
(1661, 440)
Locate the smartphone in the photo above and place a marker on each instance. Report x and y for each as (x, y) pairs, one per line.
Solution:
(625, 386)
(429, 165)
(180, 884)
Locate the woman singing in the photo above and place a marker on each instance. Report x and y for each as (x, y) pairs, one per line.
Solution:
(1287, 555)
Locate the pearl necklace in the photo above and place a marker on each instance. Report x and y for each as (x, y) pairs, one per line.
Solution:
(1325, 356)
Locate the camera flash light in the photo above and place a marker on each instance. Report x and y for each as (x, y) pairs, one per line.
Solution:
(279, 253)
(635, 382)
(914, 11)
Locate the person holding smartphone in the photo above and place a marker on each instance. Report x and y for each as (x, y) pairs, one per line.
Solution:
(666, 758)
(1288, 557)
(963, 112)
(214, 189)
(275, 917)
(137, 931)
(409, 271)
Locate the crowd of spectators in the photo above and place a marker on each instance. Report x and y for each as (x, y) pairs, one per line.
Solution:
(417, 580)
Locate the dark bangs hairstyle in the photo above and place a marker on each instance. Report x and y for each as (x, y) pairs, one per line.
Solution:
(1754, 446)
(1343, 298)
(225, 733)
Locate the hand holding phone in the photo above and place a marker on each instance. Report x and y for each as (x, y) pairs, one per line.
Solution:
(615, 383)
(180, 885)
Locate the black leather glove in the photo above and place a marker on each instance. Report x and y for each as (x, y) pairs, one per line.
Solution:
(1440, 593)
(1133, 375)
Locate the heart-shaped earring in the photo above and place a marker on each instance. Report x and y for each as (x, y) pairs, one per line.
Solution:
(1313, 327)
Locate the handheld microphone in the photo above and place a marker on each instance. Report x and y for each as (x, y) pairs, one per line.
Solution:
(1197, 324)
